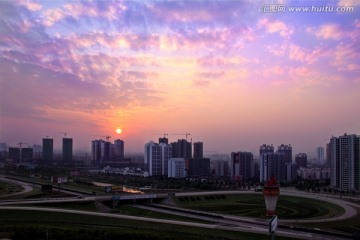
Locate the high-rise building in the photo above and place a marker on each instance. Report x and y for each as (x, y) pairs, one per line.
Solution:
(181, 149)
(328, 154)
(242, 164)
(301, 160)
(320, 154)
(287, 151)
(152, 158)
(101, 151)
(67, 149)
(27, 153)
(166, 154)
(164, 140)
(48, 149)
(119, 150)
(272, 165)
(291, 172)
(3, 150)
(3, 147)
(14, 153)
(176, 168)
(157, 157)
(95, 151)
(198, 150)
(220, 167)
(37, 151)
(256, 169)
(198, 167)
(345, 162)
(266, 149)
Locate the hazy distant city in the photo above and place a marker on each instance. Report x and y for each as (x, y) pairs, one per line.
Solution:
(180, 119)
(338, 161)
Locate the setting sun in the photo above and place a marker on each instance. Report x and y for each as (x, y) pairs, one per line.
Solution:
(118, 130)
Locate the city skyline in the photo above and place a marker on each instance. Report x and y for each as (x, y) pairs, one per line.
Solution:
(196, 148)
(227, 72)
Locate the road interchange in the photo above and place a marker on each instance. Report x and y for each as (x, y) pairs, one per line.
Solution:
(230, 223)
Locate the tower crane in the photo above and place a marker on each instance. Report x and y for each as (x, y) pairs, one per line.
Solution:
(186, 135)
(21, 143)
(64, 134)
(107, 137)
(164, 134)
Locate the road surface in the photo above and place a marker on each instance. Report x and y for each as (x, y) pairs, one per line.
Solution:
(26, 186)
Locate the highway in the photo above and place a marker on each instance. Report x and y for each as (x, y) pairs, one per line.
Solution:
(234, 221)
(254, 228)
(224, 222)
(351, 208)
(26, 186)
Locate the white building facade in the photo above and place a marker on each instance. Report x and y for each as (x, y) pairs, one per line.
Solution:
(156, 158)
(176, 168)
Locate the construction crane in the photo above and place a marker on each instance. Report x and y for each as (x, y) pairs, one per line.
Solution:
(186, 134)
(64, 134)
(107, 137)
(165, 134)
(20, 145)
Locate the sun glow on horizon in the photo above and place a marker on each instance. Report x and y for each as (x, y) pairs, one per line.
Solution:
(118, 130)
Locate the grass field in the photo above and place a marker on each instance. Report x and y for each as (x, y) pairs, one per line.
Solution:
(253, 205)
(351, 225)
(37, 225)
(250, 205)
(9, 188)
(124, 209)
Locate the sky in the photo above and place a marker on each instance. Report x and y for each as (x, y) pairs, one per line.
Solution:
(234, 74)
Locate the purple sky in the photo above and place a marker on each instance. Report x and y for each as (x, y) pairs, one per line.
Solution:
(231, 73)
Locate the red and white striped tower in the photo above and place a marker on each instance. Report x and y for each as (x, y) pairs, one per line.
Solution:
(271, 194)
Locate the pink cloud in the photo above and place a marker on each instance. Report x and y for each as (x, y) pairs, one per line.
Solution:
(297, 53)
(354, 35)
(344, 57)
(201, 83)
(30, 5)
(203, 39)
(277, 50)
(327, 31)
(275, 27)
(353, 67)
(195, 12)
(299, 72)
(179, 15)
(348, 3)
(272, 72)
(51, 16)
(357, 23)
(212, 61)
(336, 32)
(88, 9)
